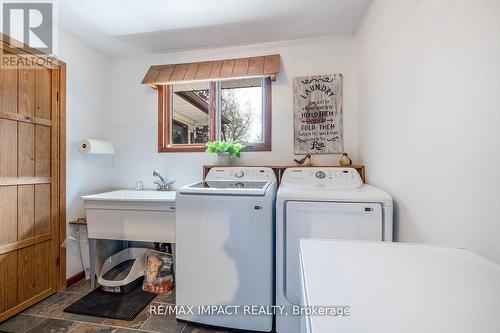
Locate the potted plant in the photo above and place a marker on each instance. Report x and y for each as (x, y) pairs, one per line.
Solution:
(225, 150)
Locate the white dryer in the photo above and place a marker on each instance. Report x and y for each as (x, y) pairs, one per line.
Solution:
(323, 203)
(224, 248)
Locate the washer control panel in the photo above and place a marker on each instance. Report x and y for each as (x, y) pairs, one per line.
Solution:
(323, 177)
(241, 173)
(320, 174)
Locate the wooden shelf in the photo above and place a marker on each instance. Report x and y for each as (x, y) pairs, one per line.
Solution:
(80, 221)
(279, 169)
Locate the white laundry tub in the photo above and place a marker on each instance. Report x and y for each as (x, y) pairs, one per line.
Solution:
(147, 216)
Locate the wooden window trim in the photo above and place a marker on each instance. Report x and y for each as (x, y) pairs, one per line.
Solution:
(165, 144)
(260, 66)
(266, 118)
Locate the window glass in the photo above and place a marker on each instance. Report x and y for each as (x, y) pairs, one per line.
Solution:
(190, 113)
(241, 117)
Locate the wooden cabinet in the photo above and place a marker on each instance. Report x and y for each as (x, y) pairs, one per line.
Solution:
(32, 182)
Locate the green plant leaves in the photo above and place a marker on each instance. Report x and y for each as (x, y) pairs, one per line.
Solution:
(233, 148)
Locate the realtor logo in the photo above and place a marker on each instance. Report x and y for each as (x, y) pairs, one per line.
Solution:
(30, 23)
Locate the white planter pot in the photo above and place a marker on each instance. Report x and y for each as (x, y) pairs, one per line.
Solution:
(224, 158)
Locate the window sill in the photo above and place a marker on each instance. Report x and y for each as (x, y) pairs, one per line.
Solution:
(258, 147)
(182, 148)
(193, 148)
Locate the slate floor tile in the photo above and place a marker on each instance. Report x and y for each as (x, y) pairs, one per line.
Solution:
(48, 316)
(163, 323)
(20, 323)
(84, 318)
(93, 328)
(168, 298)
(196, 329)
(51, 325)
(43, 304)
(127, 330)
(81, 287)
(136, 323)
(55, 310)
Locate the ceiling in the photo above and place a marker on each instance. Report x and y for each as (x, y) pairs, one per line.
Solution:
(129, 27)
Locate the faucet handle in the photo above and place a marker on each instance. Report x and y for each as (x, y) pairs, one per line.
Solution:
(169, 184)
(159, 185)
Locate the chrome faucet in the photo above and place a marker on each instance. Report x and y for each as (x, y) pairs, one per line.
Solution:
(162, 184)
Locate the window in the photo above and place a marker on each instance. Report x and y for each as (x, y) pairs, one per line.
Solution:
(192, 114)
(241, 111)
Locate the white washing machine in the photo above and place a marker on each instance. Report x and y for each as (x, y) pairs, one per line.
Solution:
(324, 203)
(225, 247)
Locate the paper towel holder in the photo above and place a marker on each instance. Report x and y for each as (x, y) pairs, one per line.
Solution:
(94, 146)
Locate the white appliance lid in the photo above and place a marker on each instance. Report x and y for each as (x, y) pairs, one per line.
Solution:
(328, 184)
(364, 193)
(244, 185)
(233, 181)
(222, 187)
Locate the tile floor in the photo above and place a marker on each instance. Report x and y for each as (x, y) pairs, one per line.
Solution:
(48, 316)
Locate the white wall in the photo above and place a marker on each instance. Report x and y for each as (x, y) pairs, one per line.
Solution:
(421, 111)
(88, 109)
(429, 116)
(134, 109)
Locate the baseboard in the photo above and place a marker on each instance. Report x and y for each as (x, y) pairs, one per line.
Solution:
(75, 278)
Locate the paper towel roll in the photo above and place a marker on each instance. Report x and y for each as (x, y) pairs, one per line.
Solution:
(92, 146)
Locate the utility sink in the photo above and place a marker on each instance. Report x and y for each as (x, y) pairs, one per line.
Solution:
(145, 215)
(132, 195)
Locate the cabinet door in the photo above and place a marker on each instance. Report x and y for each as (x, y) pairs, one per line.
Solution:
(325, 220)
(29, 186)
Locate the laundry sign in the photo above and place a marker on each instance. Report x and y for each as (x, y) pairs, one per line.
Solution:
(317, 107)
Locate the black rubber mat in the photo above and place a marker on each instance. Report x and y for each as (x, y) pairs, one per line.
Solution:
(99, 303)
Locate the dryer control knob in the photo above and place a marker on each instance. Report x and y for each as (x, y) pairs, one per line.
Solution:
(239, 174)
(320, 174)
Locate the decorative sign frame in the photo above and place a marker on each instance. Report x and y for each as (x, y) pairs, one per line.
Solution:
(317, 107)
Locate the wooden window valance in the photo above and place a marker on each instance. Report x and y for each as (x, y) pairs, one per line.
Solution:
(219, 69)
